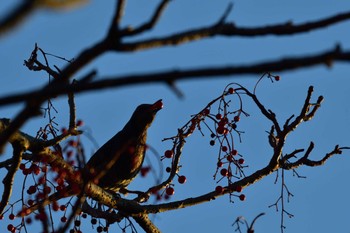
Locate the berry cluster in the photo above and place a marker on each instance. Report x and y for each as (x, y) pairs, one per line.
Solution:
(41, 180)
(221, 119)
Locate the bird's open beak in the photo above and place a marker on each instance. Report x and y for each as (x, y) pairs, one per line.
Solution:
(157, 105)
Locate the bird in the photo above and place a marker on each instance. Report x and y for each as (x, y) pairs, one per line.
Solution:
(114, 165)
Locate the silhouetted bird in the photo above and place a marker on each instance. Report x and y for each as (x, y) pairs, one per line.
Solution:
(119, 160)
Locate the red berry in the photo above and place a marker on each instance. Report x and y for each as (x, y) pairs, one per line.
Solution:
(219, 189)
(64, 131)
(234, 152)
(224, 172)
(218, 116)
(73, 143)
(224, 148)
(10, 227)
(42, 180)
(30, 202)
(170, 191)
(229, 158)
(80, 123)
(22, 166)
(36, 170)
(231, 90)
(239, 189)
(69, 153)
(181, 179)
(206, 112)
(241, 161)
(144, 171)
(221, 130)
(77, 223)
(277, 78)
(222, 122)
(93, 221)
(55, 206)
(236, 118)
(47, 190)
(63, 207)
(26, 171)
(12, 216)
(99, 229)
(64, 219)
(44, 168)
(31, 189)
(40, 196)
(242, 197)
(169, 154)
(1, 217)
(219, 164)
(158, 197)
(28, 220)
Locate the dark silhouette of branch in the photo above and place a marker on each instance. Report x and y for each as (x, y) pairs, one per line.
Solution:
(112, 42)
(150, 24)
(17, 15)
(146, 224)
(278, 65)
(230, 30)
(26, 7)
(18, 150)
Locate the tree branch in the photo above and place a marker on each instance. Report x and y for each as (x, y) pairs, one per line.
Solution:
(146, 224)
(284, 64)
(18, 149)
(17, 15)
(229, 29)
(150, 24)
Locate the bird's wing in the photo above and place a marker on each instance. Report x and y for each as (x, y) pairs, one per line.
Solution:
(106, 156)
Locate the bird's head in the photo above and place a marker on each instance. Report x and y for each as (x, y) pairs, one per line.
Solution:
(144, 115)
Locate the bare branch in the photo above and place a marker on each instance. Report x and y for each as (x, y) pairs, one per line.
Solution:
(226, 13)
(229, 29)
(118, 15)
(267, 113)
(284, 64)
(305, 113)
(71, 103)
(27, 7)
(313, 163)
(151, 23)
(9, 178)
(17, 15)
(146, 224)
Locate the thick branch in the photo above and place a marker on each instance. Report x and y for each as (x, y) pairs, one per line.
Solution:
(17, 15)
(229, 29)
(146, 223)
(9, 178)
(278, 65)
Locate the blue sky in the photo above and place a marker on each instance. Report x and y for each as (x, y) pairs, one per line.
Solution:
(320, 202)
